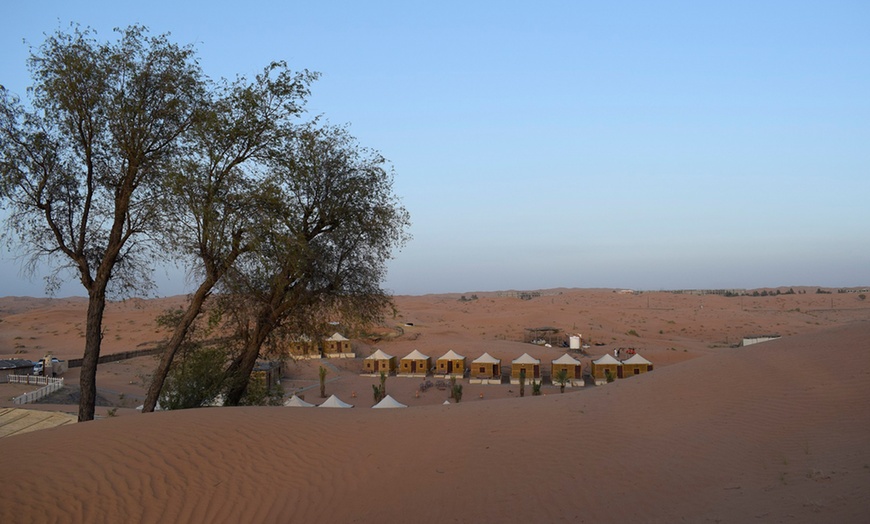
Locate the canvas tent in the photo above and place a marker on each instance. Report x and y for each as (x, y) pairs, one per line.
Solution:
(635, 366)
(486, 369)
(296, 402)
(572, 366)
(388, 402)
(604, 364)
(334, 402)
(415, 364)
(530, 364)
(450, 364)
(377, 362)
(337, 346)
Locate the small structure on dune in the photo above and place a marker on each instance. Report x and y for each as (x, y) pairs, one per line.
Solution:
(378, 362)
(296, 402)
(603, 366)
(388, 402)
(486, 369)
(415, 364)
(334, 402)
(755, 339)
(635, 365)
(449, 365)
(530, 364)
(573, 368)
(543, 335)
(337, 346)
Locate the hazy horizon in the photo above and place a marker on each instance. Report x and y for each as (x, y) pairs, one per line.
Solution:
(621, 145)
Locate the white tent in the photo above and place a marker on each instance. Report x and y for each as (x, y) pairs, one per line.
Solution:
(388, 402)
(415, 355)
(296, 402)
(446, 403)
(451, 355)
(526, 359)
(486, 359)
(334, 402)
(567, 359)
(636, 359)
(606, 359)
(379, 355)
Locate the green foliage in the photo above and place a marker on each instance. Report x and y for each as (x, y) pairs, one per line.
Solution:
(456, 392)
(632, 333)
(322, 372)
(378, 392)
(257, 394)
(536, 388)
(523, 382)
(194, 380)
(608, 376)
(561, 378)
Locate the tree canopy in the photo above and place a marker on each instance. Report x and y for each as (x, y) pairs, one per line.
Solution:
(125, 151)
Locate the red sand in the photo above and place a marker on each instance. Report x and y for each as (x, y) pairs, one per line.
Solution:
(775, 432)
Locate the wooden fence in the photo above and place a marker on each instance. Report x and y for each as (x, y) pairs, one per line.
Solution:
(49, 386)
(114, 357)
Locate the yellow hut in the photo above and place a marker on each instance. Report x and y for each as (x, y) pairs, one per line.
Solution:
(603, 366)
(530, 364)
(302, 347)
(635, 366)
(415, 364)
(337, 346)
(450, 365)
(379, 362)
(485, 369)
(573, 368)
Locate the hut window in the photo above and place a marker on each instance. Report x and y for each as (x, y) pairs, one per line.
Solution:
(636, 371)
(483, 369)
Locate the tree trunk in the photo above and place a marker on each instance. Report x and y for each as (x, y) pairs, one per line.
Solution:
(172, 347)
(239, 371)
(93, 340)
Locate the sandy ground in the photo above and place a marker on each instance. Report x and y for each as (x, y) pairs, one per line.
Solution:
(776, 432)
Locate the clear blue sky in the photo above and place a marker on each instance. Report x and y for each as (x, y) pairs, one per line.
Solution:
(648, 145)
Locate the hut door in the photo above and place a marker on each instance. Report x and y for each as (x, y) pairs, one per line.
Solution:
(537, 371)
(450, 366)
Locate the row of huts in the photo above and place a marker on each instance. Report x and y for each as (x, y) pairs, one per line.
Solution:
(486, 369)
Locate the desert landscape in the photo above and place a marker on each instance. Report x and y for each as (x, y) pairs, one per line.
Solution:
(717, 432)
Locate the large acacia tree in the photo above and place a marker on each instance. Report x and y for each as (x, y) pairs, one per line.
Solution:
(329, 222)
(84, 163)
(212, 202)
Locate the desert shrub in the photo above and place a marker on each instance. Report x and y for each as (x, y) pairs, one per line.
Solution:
(608, 376)
(536, 388)
(632, 333)
(195, 379)
(456, 392)
(561, 378)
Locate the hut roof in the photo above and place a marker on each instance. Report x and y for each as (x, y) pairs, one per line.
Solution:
(451, 355)
(526, 359)
(379, 355)
(415, 355)
(296, 402)
(636, 359)
(607, 359)
(486, 359)
(388, 402)
(334, 402)
(337, 337)
(566, 359)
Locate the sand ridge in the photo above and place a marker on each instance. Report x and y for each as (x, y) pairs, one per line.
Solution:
(775, 432)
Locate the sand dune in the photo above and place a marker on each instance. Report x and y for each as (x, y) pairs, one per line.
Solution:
(776, 432)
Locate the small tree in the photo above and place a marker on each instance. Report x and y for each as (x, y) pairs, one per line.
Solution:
(561, 378)
(536, 388)
(456, 392)
(383, 384)
(322, 372)
(608, 375)
(453, 387)
(522, 382)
